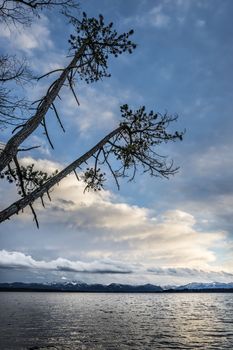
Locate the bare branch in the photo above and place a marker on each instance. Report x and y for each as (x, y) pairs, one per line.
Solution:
(75, 173)
(130, 143)
(43, 123)
(51, 72)
(129, 148)
(27, 149)
(12, 145)
(58, 118)
(23, 11)
(72, 89)
(93, 39)
(21, 183)
(45, 187)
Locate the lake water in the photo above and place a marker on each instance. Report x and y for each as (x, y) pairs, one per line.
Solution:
(115, 321)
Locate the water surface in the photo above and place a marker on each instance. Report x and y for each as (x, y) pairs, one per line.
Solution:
(115, 321)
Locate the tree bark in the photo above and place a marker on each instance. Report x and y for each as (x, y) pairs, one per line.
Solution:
(30, 198)
(12, 145)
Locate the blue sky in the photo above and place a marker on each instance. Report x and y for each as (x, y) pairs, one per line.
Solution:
(152, 230)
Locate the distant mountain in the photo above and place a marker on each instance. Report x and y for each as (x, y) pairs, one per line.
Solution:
(203, 286)
(80, 287)
(115, 288)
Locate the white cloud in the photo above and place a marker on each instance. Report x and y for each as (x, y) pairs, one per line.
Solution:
(184, 4)
(213, 159)
(28, 39)
(21, 261)
(129, 233)
(166, 13)
(156, 17)
(43, 149)
(98, 110)
(172, 238)
(41, 164)
(200, 23)
(135, 273)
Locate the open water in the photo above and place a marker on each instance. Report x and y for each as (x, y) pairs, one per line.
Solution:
(82, 321)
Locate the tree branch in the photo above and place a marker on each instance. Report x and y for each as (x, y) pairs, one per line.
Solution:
(12, 145)
(31, 197)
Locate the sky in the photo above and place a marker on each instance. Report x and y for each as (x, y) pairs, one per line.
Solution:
(159, 231)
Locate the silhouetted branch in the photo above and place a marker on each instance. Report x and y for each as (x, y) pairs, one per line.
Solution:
(58, 118)
(21, 184)
(93, 39)
(46, 186)
(131, 144)
(72, 89)
(22, 11)
(43, 123)
(12, 145)
(28, 149)
(49, 73)
(110, 168)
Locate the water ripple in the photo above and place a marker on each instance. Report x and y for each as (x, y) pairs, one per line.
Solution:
(79, 321)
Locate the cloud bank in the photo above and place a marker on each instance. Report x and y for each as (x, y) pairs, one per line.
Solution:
(67, 269)
(121, 231)
(18, 260)
(22, 39)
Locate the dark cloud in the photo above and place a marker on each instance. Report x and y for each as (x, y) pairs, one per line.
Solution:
(94, 271)
(66, 202)
(18, 260)
(185, 272)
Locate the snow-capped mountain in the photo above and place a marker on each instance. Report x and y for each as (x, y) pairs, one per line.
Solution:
(74, 286)
(198, 286)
